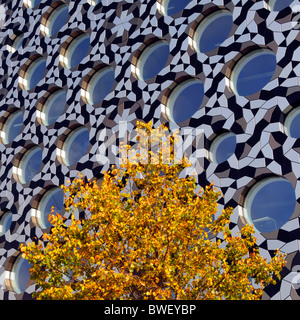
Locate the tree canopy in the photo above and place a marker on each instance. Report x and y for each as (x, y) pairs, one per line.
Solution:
(145, 233)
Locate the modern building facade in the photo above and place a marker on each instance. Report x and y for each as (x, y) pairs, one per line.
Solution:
(73, 71)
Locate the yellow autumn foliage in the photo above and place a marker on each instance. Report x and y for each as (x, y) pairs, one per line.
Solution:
(147, 234)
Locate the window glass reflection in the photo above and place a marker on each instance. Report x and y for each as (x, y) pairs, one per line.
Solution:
(21, 275)
(253, 72)
(56, 20)
(5, 222)
(152, 60)
(76, 51)
(34, 73)
(270, 203)
(171, 7)
(52, 198)
(15, 41)
(30, 164)
(223, 147)
(53, 107)
(278, 5)
(99, 85)
(32, 3)
(12, 127)
(75, 146)
(291, 124)
(185, 100)
(212, 31)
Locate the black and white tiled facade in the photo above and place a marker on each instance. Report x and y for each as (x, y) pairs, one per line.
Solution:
(117, 29)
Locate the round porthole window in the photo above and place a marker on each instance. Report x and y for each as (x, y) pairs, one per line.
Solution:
(74, 50)
(53, 198)
(28, 164)
(97, 84)
(31, 3)
(5, 222)
(51, 106)
(171, 7)
(184, 100)
(11, 125)
(151, 59)
(54, 18)
(18, 274)
(223, 147)
(252, 72)
(211, 31)
(73, 146)
(15, 41)
(32, 72)
(269, 204)
(291, 124)
(278, 5)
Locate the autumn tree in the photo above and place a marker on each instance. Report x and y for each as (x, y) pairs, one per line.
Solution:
(147, 234)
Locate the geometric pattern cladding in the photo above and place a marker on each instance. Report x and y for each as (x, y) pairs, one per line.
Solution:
(36, 68)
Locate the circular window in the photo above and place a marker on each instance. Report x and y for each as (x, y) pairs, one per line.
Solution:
(252, 72)
(74, 146)
(11, 125)
(28, 164)
(171, 7)
(31, 3)
(15, 41)
(212, 31)
(270, 203)
(97, 84)
(291, 124)
(5, 222)
(278, 5)
(184, 100)
(51, 106)
(54, 18)
(151, 59)
(32, 72)
(53, 198)
(18, 276)
(223, 147)
(74, 49)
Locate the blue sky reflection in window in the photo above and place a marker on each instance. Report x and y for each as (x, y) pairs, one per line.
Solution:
(270, 203)
(253, 72)
(212, 31)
